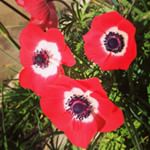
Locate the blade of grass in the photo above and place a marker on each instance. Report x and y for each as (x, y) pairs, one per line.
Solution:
(132, 131)
(6, 35)
(144, 4)
(14, 9)
(3, 123)
(127, 4)
(140, 120)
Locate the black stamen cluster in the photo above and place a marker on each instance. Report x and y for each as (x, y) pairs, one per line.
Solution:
(114, 42)
(79, 106)
(41, 59)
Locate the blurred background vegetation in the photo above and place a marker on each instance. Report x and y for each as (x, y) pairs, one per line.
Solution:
(24, 127)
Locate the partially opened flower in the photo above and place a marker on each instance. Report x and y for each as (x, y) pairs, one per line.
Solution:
(43, 12)
(110, 42)
(42, 54)
(80, 108)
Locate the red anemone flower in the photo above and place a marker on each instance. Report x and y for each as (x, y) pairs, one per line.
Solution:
(80, 108)
(110, 42)
(41, 55)
(43, 12)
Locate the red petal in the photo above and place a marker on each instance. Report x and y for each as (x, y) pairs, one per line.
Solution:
(29, 79)
(26, 57)
(42, 13)
(81, 134)
(112, 115)
(102, 22)
(127, 27)
(26, 78)
(40, 83)
(113, 121)
(63, 83)
(67, 56)
(52, 104)
(94, 85)
(37, 8)
(93, 48)
(109, 112)
(29, 38)
(122, 62)
(131, 52)
(68, 83)
(53, 20)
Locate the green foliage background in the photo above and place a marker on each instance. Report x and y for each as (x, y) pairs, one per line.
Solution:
(24, 127)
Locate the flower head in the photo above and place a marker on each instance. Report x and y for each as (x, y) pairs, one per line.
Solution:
(80, 108)
(43, 12)
(110, 42)
(42, 54)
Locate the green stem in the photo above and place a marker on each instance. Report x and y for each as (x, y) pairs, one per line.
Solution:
(15, 10)
(145, 6)
(13, 42)
(139, 119)
(97, 138)
(126, 4)
(132, 131)
(131, 6)
(6, 35)
(82, 59)
(3, 123)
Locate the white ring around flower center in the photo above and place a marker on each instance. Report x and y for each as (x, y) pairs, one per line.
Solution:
(54, 58)
(117, 31)
(78, 92)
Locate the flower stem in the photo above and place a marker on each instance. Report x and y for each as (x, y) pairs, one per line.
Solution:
(129, 125)
(5, 34)
(14, 9)
(127, 4)
(145, 6)
(3, 123)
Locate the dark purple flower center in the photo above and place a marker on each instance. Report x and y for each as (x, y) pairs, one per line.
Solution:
(114, 42)
(79, 106)
(41, 59)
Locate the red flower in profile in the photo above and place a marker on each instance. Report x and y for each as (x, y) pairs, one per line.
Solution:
(80, 108)
(43, 12)
(42, 54)
(110, 42)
